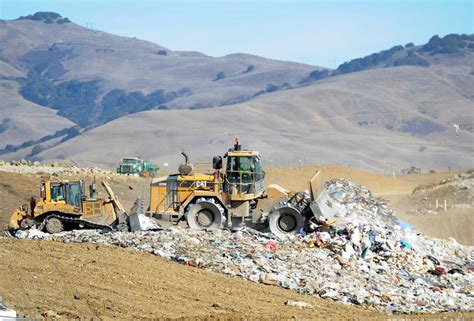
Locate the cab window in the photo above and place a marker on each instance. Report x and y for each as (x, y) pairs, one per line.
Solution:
(74, 192)
(239, 164)
(258, 169)
(57, 193)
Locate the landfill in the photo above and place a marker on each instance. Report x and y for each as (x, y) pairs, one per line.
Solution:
(366, 258)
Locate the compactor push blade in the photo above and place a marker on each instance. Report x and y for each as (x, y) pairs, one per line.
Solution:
(138, 220)
(321, 205)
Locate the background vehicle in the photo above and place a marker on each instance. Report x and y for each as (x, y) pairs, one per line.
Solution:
(137, 166)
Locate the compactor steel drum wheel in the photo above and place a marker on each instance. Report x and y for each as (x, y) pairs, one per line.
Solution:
(204, 215)
(54, 225)
(285, 220)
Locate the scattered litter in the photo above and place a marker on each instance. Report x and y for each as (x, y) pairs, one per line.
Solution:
(365, 258)
(6, 313)
(299, 304)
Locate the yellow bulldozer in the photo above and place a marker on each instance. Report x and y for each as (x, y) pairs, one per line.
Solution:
(227, 192)
(232, 193)
(64, 205)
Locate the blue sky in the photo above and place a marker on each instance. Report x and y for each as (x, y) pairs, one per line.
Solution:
(324, 33)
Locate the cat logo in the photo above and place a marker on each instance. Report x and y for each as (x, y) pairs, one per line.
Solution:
(201, 184)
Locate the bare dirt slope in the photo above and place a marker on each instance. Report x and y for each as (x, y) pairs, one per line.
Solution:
(90, 281)
(419, 207)
(381, 120)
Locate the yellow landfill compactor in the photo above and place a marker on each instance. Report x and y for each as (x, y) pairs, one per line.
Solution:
(228, 194)
(64, 205)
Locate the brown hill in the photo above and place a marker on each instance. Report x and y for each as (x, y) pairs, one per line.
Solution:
(383, 119)
(22, 120)
(60, 52)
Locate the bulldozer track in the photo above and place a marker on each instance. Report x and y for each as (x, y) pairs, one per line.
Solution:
(78, 221)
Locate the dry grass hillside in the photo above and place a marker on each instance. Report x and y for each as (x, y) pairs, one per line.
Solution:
(384, 120)
(21, 120)
(90, 64)
(72, 52)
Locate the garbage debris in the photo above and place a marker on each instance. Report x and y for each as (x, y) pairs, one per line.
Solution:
(6, 313)
(366, 257)
(299, 304)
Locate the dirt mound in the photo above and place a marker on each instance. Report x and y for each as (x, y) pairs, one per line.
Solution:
(92, 281)
(419, 208)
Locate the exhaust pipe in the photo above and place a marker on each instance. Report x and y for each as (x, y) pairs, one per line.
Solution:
(186, 158)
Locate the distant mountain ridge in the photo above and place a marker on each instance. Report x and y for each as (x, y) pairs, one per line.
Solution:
(408, 55)
(92, 77)
(69, 92)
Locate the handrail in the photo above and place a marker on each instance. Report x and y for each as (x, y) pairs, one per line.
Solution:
(168, 193)
(239, 183)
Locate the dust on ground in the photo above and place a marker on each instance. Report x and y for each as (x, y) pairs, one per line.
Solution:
(90, 281)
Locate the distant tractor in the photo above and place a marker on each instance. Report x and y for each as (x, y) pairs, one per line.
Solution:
(137, 166)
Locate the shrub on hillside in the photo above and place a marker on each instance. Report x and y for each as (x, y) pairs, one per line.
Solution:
(411, 59)
(368, 61)
(318, 74)
(449, 44)
(76, 100)
(220, 75)
(249, 69)
(46, 17)
(118, 103)
(5, 124)
(36, 150)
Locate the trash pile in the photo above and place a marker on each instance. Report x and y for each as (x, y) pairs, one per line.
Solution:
(366, 258)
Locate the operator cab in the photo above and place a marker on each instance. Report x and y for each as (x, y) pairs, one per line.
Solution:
(243, 172)
(69, 192)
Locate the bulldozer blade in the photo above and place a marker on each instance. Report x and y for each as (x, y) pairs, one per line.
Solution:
(138, 220)
(16, 218)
